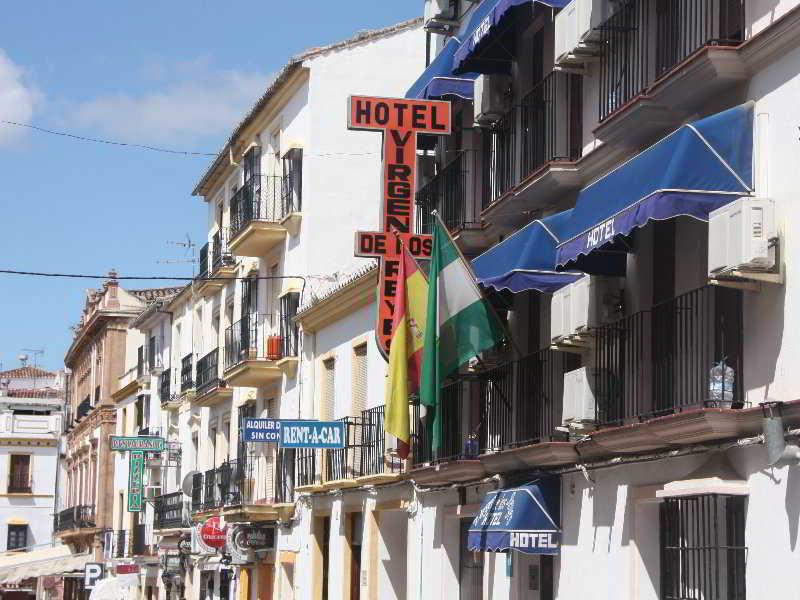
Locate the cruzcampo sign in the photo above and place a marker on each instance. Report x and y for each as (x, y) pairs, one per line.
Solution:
(312, 434)
(121, 443)
(136, 447)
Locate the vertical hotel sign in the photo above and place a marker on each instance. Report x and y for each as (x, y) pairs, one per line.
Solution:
(400, 120)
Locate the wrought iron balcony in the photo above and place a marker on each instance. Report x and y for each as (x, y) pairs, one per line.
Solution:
(171, 511)
(165, 385)
(254, 337)
(187, 376)
(202, 271)
(75, 517)
(454, 192)
(207, 372)
(374, 460)
(684, 353)
(268, 198)
(83, 408)
(640, 44)
(220, 256)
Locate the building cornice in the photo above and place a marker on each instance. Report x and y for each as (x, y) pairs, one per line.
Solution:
(353, 295)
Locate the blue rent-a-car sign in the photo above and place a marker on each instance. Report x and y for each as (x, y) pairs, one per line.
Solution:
(262, 430)
(312, 434)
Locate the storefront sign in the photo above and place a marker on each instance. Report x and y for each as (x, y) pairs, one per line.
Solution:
(261, 430)
(312, 434)
(135, 481)
(245, 540)
(127, 569)
(121, 443)
(211, 534)
(400, 120)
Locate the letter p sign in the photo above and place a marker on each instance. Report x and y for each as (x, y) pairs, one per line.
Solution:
(92, 573)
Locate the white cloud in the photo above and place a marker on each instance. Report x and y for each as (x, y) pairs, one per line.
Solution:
(17, 100)
(191, 104)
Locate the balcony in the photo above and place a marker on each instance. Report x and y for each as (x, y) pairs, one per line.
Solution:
(74, 519)
(210, 388)
(529, 155)
(253, 349)
(84, 408)
(217, 265)
(123, 543)
(187, 375)
(171, 511)
(661, 64)
(455, 192)
(165, 386)
(263, 211)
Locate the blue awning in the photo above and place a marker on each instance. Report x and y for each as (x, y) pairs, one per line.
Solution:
(485, 22)
(694, 170)
(438, 80)
(526, 259)
(524, 518)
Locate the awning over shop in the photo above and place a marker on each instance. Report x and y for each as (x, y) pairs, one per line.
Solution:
(525, 519)
(694, 170)
(526, 259)
(438, 80)
(47, 561)
(487, 22)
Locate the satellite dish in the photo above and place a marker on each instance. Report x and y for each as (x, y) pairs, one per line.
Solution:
(186, 484)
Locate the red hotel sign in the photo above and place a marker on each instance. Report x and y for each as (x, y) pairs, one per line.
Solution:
(400, 120)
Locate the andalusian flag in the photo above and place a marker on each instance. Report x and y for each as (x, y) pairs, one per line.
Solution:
(461, 324)
(405, 351)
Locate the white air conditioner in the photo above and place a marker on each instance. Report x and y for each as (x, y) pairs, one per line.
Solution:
(576, 31)
(739, 236)
(589, 302)
(492, 98)
(578, 402)
(439, 17)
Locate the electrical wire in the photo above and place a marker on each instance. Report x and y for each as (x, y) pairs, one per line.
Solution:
(147, 277)
(104, 141)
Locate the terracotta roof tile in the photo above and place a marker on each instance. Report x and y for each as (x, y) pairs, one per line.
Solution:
(26, 372)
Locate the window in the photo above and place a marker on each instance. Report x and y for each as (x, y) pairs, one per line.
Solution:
(702, 547)
(359, 379)
(19, 476)
(17, 537)
(328, 405)
(289, 329)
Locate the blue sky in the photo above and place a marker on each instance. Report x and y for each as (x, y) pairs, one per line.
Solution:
(177, 74)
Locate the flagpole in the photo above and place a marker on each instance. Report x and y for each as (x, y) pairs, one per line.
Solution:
(474, 282)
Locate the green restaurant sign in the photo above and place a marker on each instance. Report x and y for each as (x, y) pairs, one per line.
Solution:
(121, 443)
(136, 447)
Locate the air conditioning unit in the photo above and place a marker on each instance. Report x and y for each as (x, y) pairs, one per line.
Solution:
(739, 236)
(576, 30)
(590, 301)
(578, 402)
(492, 98)
(439, 17)
(151, 491)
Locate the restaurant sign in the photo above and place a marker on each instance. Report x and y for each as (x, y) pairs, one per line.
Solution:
(121, 443)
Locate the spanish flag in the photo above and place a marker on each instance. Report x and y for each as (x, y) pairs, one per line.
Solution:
(405, 351)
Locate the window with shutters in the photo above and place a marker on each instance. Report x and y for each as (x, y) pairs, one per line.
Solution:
(19, 475)
(359, 379)
(328, 404)
(17, 537)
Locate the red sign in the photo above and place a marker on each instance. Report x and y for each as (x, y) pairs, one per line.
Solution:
(127, 569)
(400, 120)
(212, 534)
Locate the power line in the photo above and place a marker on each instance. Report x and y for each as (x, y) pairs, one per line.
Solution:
(103, 141)
(143, 277)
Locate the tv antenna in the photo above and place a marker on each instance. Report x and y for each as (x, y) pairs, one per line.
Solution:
(37, 352)
(189, 256)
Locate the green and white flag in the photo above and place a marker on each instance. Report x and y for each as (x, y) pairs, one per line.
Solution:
(460, 325)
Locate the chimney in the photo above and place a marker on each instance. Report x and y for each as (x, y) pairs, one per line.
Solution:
(111, 286)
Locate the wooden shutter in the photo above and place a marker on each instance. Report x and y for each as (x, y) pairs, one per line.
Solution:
(328, 406)
(359, 379)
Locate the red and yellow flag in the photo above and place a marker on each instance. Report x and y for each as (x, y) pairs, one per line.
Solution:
(405, 350)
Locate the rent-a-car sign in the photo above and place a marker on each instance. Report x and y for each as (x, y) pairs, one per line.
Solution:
(312, 434)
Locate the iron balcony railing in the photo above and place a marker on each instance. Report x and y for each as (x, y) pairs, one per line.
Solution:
(187, 376)
(684, 353)
(20, 482)
(374, 460)
(165, 385)
(220, 256)
(642, 41)
(345, 463)
(268, 198)
(220, 486)
(545, 126)
(202, 270)
(255, 337)
(197, 492)
(119, 544)
(207, 372)
(141, 361)
(454, 192)
(75, 517)
(513, 404)
(83, 408)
